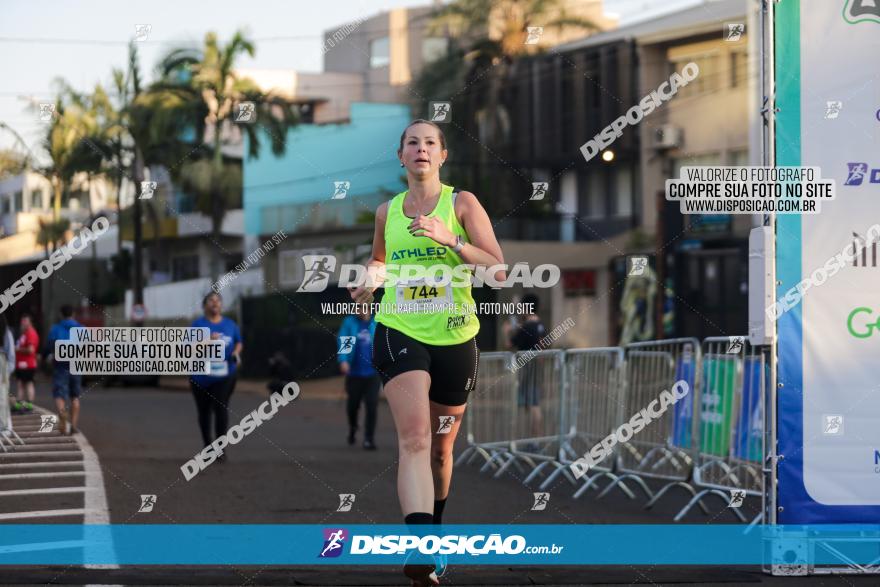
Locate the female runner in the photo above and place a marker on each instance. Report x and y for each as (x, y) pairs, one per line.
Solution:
(427, 358)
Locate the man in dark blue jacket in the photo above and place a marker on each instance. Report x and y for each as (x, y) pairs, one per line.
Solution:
(65, 385)
(362, 383)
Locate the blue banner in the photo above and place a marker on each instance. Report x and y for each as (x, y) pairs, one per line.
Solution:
(750, 421)
(682, 424)
(176, 544)
(828, 468)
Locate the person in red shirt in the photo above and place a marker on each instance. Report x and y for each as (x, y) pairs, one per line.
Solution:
(26, 363)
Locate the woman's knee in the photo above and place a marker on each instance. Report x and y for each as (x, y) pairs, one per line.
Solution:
(441, 454)
(414, 438)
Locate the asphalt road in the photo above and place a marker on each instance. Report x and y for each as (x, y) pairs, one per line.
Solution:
(290, 470)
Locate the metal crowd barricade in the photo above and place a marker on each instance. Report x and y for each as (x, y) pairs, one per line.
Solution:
(538, 408)
(664, 448)
(730, 434)
(594, 408)
(489, 420)
(7, 434)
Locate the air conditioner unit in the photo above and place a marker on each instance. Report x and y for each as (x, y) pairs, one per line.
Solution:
(667, 136)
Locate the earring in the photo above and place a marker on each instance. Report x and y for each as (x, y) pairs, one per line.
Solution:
(401, 164)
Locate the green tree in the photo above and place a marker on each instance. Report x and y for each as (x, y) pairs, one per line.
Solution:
(203, 90)
(488, 37)
(11, 163)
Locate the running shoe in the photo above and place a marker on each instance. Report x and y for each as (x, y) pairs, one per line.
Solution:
(440, 563)
(29, 407)
(369, 445)
(420, 568)
(18, 408)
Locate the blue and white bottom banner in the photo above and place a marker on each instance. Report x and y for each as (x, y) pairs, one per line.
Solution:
(226, 544)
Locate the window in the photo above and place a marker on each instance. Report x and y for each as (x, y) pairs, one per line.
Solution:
(702, 224)
(739, 68)
(19, 201)
(184, 267)
(596, 196)
(433, 48)
(232, 261)
(379, 56)
(624, 192)
(37, 200)
(6, 206)
(706, 81)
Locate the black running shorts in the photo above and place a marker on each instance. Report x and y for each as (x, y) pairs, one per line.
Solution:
(453, 368)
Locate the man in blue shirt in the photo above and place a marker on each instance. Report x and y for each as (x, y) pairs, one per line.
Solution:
(65, 386)
(212, 392)
(362, 383)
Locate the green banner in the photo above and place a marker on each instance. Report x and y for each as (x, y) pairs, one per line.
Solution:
(716, 404)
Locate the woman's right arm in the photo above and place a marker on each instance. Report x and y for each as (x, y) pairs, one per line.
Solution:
(375, 268)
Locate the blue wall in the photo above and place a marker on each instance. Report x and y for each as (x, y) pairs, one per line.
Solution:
(293, 192)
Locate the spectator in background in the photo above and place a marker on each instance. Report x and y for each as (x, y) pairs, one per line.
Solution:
(525, 337)
(212, 391)
(7, 342)
(7, 345)
(362, 383)
(281, 372)
(66, 387)
(26, 364)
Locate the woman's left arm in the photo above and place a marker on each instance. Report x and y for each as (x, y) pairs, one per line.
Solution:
(483, 248)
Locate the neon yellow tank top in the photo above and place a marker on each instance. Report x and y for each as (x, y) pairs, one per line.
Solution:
(457, 321)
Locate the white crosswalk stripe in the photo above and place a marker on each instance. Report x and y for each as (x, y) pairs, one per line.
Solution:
(50, 478)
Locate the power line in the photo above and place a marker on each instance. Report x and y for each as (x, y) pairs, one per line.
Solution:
(328, 33)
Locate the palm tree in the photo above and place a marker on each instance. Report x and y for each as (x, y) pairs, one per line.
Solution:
(70, 122)
(50, 233)
(94, 155)
(490, 36)
(63, 141)
(202, 88)
(152, 134)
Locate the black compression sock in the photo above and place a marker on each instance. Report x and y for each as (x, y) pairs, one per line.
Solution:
(416, 520)
(439, 505)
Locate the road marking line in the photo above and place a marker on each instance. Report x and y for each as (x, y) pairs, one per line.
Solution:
(56, 453)
(41, 475)
(42, 491)
(55, 446)
(40, 464)
(43, 514)
(95, 499)
(38, 546)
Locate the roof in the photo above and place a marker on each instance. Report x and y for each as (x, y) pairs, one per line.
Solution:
(703, 17)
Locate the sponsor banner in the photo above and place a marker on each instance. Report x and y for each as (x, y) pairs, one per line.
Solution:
(532, 544)
(682, 424)
(749, 437)
(828, 438)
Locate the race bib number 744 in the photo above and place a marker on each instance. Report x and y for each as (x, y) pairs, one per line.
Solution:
(414, 294)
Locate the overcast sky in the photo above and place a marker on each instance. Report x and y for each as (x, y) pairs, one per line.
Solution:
(83, 40)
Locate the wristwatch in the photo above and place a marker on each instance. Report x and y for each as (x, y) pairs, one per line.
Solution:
(459, 244)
